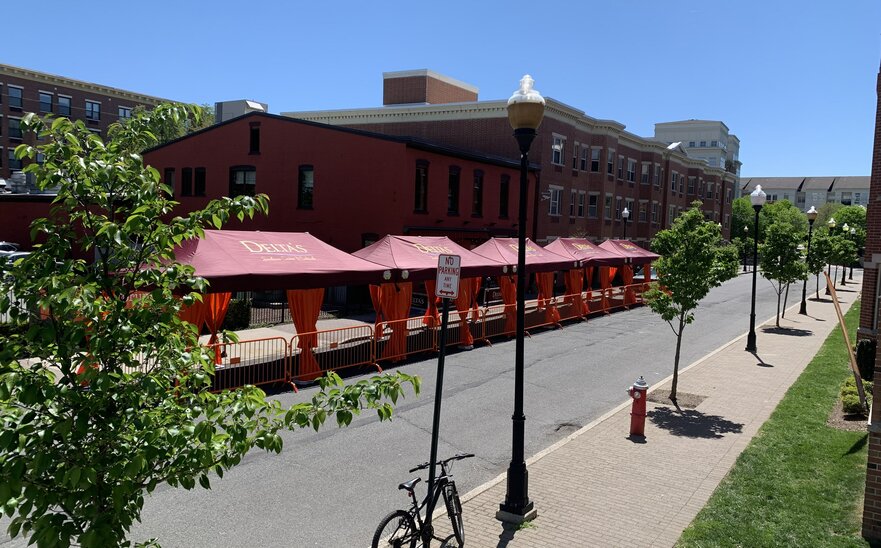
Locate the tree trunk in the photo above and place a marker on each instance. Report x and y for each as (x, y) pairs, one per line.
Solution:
(779, 295)
(785, 298)
(843, 272)
(676, 362)
(818, 286)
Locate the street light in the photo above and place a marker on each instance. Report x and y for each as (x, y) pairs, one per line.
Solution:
(831, 224)
(757, 198)
(525, 112)
(745, 236)
(625, 215)
(812, 216)
(853, 238)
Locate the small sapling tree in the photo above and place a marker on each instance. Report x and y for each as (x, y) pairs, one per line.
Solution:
(693, 261)
(781, 260)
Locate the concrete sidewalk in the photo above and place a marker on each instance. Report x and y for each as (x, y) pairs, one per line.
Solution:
(599, 488)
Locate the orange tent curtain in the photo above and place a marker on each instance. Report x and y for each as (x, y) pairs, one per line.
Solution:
(194, 314)
(574, 280)
(463, 305)
(545, 283)
(305, 306)
(375, 292)
(627, 278)
(588, 281)
(216, 305)
(508, 289)
(605, 284)
(431, 317)
(475, 310)
(394, 305)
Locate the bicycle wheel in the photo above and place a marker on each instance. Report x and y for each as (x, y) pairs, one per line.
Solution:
(396, 529)
(454, 510)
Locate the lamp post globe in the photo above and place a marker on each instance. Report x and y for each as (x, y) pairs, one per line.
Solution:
(625, 215)
(525, 112)
(812, 216)
(757, 198)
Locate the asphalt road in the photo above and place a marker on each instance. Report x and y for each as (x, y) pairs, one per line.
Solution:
(331, 488)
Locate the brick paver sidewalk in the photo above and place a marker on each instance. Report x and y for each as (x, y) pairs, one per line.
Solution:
(598, 488)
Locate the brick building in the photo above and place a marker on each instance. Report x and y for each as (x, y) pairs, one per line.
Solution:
(591, 169)
(24, 90)
(347, 187)
(869, 329)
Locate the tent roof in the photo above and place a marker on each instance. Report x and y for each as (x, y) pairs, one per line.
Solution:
(630, 250)
(418, 256)
(538, 259)
(586, 251)
(244, 260)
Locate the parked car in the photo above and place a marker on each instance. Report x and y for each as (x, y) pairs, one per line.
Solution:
(637, 274)
(7, 247)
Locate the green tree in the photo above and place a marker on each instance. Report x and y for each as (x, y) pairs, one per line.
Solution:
(819, 254)
(742, 215)
(826, 211)
(115, 398)
(174, 125)
(693, 261)
(782, 211)
(781, 260)
(843, 252)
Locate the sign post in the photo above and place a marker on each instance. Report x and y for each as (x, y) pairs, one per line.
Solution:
(447, 287)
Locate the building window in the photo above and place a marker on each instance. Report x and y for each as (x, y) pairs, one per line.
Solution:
(200, 182)
(504, 193)
(254, 141)
(305, 187)
(477, 195)
(642, 211)
(14, 163)
(14, 128)
(671, 214)
(45, 102)
(242, 181)
(607, 208)
(645, 174)
(618, 208)
(581, 196)
(703, 144)
(710, 191)
(556, 198)
(186, 181)
(845, 198)
(691, 181)
(584, 151)
(656, 211)
(557, 151)
(93, 111)
(857, 198)
(592, 203)
(621, 167)
(124, 113)
(573, 197)
(631, 170)
(595, 160)
(575, 156)
(168, 179)
(420, 187)
(691, 144)
(610, 163)
(63, 105)
(14, 97)
(674, 179)
(658, 176)
(453, 192)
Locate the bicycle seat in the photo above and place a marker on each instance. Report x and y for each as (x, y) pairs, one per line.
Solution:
(408, 485)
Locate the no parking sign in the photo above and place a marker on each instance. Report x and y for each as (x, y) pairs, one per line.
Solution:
(448, 273)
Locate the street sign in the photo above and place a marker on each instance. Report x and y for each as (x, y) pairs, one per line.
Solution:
(448, 272)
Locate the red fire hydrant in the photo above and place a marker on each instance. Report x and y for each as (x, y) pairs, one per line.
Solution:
(637, 411)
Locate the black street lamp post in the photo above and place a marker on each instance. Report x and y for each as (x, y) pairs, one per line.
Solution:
(625, 215)
(525, 112)
(831, 224)
(757, 198)
(812, 216)
(853, 238)
(745, 251)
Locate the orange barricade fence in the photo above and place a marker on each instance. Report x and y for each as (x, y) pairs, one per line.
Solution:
(335, 349)
(258, 361)
(499, 320)
(398, 339)
(540, 316)
(571, 306)
(616, 298)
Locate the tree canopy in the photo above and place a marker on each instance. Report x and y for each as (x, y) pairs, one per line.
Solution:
(781, 261)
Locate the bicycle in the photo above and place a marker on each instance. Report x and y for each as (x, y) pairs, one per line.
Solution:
(405, 527)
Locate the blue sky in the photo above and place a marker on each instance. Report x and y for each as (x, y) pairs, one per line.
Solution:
(794, 80)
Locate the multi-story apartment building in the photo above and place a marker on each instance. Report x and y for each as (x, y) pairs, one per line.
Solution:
(706, 140)
(805, 192)
(590, 169)
(24, 90)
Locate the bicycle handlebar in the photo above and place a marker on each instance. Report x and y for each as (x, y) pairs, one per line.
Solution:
(458, 456)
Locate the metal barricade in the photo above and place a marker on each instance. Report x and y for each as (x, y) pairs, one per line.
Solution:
(541, 316)
(499, 320)
(571, 306)
(334, 349)
(255, 362)
(397, 339)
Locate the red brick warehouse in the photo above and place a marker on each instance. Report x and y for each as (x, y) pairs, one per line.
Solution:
(347, 187)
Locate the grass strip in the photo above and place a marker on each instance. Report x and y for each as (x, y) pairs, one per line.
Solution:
(799, 482)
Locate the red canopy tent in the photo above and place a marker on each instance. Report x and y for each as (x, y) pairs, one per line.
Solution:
(634, 255)
(296, 261)
(414, 258)
(538, 260)
(590, 255)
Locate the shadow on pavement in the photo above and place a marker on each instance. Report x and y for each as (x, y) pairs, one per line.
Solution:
(791, 331)
(762, 363)
(858, 445)
(507, 534)
(692, 423)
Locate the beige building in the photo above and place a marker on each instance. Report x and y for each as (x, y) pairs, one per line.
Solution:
(805, 192)
(706, 140)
